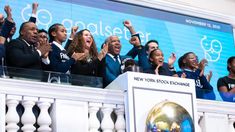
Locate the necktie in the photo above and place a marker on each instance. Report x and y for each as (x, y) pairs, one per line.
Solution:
(32, 47)
(116, 59)
(117, 64)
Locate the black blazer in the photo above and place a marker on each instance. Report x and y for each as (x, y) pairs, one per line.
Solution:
(25, 58)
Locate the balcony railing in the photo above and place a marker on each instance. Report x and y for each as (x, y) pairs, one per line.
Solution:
(37, 106)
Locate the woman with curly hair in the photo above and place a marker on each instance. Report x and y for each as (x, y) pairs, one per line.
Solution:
(90, 63)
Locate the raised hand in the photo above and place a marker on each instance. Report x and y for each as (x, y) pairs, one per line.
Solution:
(157, 69)
(44, 48)
(183, 75)
(74, 29)
(209, 76)
(103, 52)
(78, 56)
(202, 64)
(135, 41)
(2, 40)
(128, 25)
(7, 9)
(171, 60)
(34, 8)
(1, 18)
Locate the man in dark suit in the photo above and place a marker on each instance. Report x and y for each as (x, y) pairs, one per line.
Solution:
(22, 54)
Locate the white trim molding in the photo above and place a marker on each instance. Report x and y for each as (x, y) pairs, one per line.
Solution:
(60, 91)
(183, 8)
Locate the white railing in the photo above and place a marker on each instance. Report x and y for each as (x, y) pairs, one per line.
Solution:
(63, 108)
(71, 108)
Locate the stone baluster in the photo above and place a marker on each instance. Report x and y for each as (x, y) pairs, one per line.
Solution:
(94, 123)
(44, 119)
(231, 123)
(12, 117)
(107, 124)
(28, 119)
(120, 124)
(2, 112)
(200, 121)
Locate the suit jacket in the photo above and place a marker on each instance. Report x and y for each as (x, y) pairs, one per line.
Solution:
(112, 69)
(2, 52)
(23, 57)
(32, 19)
(2, 55)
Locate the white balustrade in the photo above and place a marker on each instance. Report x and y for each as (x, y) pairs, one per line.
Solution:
(2, 112)
(94, 123)
(200, 121)
(231, 123)
(77, 102)
(107, 124)
(120, 124)
(12, 117)
(44, 119)
(28, 118)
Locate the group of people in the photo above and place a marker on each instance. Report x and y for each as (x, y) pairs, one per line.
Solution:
(35, 50)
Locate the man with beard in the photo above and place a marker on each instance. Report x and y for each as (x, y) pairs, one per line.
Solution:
(22, 54)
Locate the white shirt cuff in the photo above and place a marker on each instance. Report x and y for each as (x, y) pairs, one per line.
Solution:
(34, 15)
(39, 52)
(46, 61)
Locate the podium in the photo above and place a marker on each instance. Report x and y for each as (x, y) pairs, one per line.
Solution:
(157, 103)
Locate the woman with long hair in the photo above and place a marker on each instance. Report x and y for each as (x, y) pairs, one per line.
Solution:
(91, 63)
